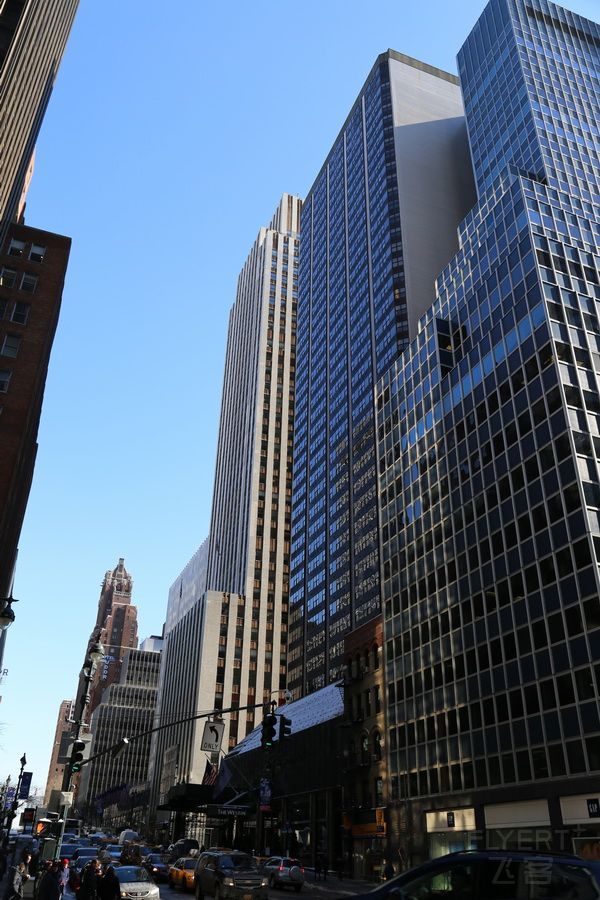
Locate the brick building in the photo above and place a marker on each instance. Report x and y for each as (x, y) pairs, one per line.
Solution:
(32, 272)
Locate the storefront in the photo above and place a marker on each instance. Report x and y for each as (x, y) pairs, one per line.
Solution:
(367, 848)
(523, 825)
(450, 830)
(581, 820)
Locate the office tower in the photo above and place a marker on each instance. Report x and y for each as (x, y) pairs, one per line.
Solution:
(225, 636)
(33, 34)
(489, 449)
(60, 749)
(115, 628)
(250, 524)
(377, 226)
(127, 709)
(33, 264)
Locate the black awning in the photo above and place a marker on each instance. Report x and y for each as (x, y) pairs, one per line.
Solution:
(187, 797)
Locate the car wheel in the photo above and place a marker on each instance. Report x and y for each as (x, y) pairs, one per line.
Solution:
(272, 884)
(171, 885)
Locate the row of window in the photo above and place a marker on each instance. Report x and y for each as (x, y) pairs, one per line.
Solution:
(18, 248)
(9, 278)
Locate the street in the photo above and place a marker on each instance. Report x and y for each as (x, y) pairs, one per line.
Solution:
(332, 887)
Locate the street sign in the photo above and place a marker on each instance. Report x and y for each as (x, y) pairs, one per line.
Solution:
(212, 737)
(25, 785)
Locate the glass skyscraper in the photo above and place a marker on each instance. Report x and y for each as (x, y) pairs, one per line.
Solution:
(377, 226)
(489, 461)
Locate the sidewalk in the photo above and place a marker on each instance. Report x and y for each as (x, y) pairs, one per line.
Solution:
(339, 887)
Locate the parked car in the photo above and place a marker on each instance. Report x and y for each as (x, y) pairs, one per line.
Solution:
(501, 874)
(229, 876)
(157, 865)
(136, 883)
(283, 871)
(181, 873)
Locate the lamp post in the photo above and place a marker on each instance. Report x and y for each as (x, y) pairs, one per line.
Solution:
(7, 617)
(12, 812)
(94, 655)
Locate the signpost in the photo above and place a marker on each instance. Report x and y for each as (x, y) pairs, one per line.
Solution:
(212, 736)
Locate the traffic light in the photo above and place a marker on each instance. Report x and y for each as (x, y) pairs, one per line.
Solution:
(285, 727)
(269, 725)
(43, 828)
(77, 755)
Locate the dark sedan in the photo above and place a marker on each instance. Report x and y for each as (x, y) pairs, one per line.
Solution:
(157, 866)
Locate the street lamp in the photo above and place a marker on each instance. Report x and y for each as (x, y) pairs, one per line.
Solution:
(7, 617)
(7, 613)
(12, 812)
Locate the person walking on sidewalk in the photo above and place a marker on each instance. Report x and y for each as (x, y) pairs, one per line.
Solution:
(17, 876)
(388, 870)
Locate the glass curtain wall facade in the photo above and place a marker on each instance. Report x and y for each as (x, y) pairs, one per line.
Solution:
(354, 313)
(489, 450)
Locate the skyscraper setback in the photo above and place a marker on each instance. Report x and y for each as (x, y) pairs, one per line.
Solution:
(377, 226)
(489, 449)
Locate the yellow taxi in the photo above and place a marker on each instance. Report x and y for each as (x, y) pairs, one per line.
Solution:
(181, 873)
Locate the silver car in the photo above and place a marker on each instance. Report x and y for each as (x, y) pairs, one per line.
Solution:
(136, 883)
(282, 871)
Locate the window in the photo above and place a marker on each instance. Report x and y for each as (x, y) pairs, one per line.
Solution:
(8, 277)
(4, 380)
(20, 313)
(29, 282)
(11, 345)
(37, 253)
(451, 880)
(16, 248)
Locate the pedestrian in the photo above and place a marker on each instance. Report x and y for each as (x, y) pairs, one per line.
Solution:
(109, 886)
(3, 861)
(89, 880)
(63, 874)
(17, 876)
(317, 868)
(324, 866)
(49, 884)
(388, 870)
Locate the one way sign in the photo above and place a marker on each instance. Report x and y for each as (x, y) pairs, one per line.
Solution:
(212, 737)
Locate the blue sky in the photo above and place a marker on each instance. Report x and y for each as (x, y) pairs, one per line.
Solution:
(167, 144)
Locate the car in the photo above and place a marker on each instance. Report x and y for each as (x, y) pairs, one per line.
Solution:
(84, 853)
(67, 850)
(157, 865)
(283, 871)
(136, 883)
(183, 847)
(497, 874)
(229, 876)
(181, 873)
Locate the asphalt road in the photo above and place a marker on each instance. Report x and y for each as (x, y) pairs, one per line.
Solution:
(328, 890)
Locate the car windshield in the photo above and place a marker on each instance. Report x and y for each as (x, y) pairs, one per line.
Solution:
(238, 862)
(155, 858)
(86, 851)
(189, 863)
(129, 874)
